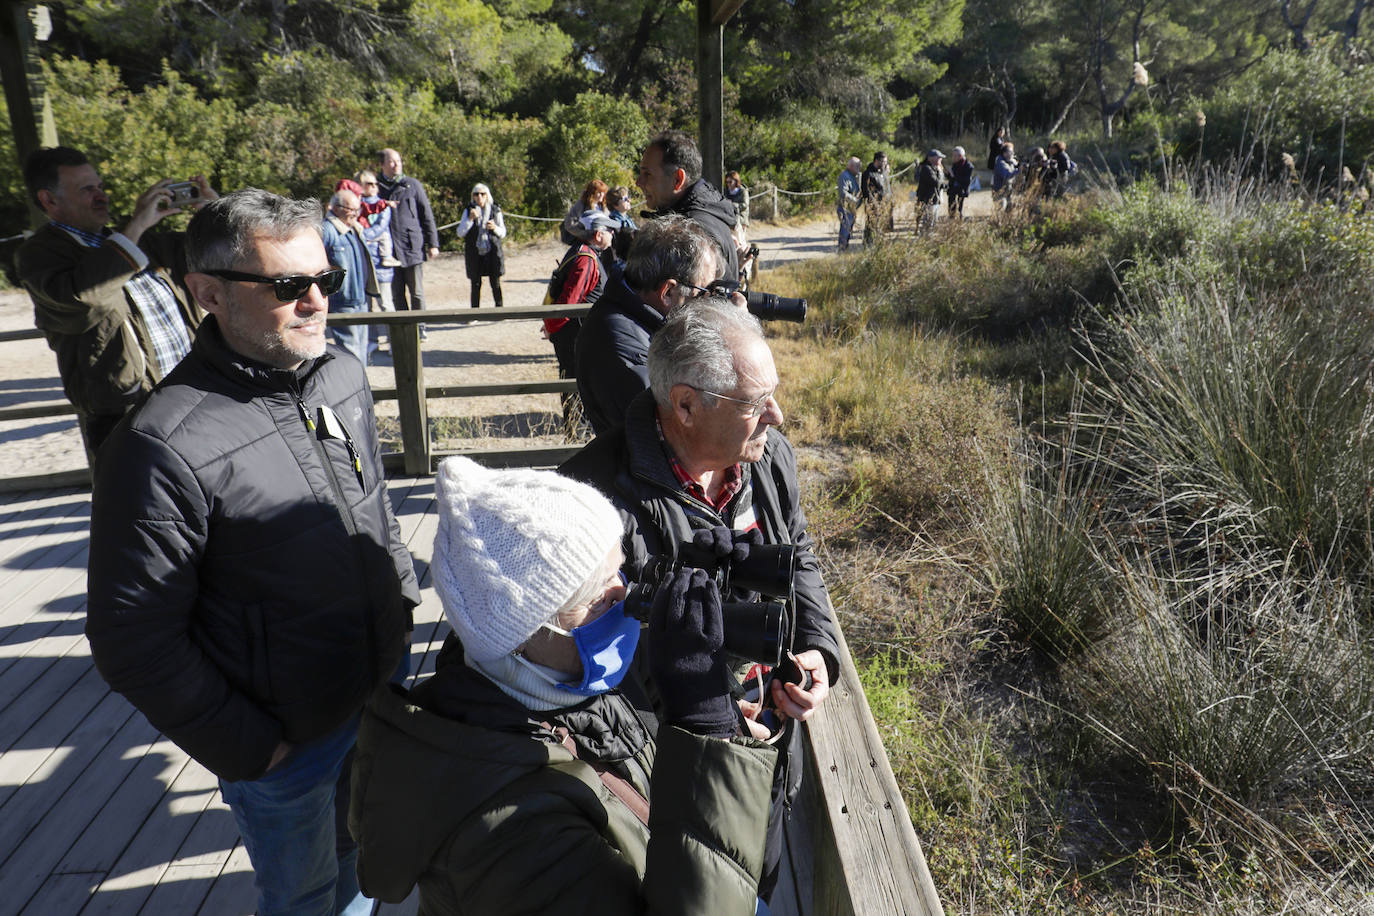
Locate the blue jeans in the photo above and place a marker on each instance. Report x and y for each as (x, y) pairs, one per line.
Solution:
(353, 337)
(288, 823)
(846, 226)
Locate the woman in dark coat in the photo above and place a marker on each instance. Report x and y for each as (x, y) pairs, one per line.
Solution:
(482, 228)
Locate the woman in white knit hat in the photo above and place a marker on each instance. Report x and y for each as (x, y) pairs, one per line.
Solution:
(517, 778)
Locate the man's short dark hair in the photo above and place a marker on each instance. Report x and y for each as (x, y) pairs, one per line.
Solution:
(41, 168)
(668, 248)
(223, 232)
(679, 152)
(879, 155)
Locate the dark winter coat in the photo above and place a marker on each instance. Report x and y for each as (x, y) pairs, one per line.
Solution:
(247, 580)
(461, 790)
(613, 353)
(491, 264)
(629, 466)
(413, 229)
(703, 203)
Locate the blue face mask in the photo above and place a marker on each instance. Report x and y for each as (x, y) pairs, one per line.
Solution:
(605, 647)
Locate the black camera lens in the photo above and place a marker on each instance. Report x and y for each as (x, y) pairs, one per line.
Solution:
(770, 307)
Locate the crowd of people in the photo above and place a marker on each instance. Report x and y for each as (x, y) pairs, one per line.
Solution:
(593, 732)
(944, 188)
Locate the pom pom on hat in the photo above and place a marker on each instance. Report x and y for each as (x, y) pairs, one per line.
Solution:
(512, 548)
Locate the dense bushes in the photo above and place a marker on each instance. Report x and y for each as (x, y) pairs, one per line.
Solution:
(314, 119)
(1135, 631)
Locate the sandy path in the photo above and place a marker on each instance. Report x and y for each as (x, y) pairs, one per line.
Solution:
(497, 351)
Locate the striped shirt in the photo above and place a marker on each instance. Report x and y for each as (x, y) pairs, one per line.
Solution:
(155, 302)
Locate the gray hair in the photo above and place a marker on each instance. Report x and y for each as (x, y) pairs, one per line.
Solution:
(668, 248)
(590, 590)
(223, 232)
(696, 346)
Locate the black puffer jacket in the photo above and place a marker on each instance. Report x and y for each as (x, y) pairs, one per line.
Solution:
(247, 582)
(629, 466)
(613, 353)
(703, 203)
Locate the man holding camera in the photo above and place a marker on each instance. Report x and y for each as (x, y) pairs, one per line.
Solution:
(111, 303)
(700, 450)
(670, 260)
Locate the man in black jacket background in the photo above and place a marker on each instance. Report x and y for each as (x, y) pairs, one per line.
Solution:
(414, 232)
(670, 177)
(247, 586)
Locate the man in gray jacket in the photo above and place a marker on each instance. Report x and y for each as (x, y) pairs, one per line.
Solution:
(247, 584)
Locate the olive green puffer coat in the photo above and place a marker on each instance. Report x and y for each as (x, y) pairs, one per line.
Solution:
(459, 789)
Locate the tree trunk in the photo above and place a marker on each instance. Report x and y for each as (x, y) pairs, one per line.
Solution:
(1352, 24)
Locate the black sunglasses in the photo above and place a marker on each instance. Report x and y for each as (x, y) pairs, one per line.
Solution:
(289, 289)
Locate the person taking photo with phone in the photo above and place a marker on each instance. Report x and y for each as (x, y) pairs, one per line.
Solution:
(110, 302)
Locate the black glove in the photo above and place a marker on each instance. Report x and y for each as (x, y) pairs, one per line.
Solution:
(721, 542)
(686, 633)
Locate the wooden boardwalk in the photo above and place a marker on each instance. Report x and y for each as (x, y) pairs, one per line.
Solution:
(98, 812)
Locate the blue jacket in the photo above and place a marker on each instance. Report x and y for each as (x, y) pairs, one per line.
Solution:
(346, 249)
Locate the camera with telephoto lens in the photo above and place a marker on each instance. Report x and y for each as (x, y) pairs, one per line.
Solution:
(761, 630)
(764, 306)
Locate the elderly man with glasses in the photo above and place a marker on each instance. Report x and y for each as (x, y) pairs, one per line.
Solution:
(247, 586)
(345, 247)
(700, 451)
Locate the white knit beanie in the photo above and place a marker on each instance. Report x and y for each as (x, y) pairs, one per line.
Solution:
(512, 548)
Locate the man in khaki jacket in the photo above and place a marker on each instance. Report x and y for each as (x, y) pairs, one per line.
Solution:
(110, 302)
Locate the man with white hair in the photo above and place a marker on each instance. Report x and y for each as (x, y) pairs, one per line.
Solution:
(848, 203)
(701, 451)
(345, 247)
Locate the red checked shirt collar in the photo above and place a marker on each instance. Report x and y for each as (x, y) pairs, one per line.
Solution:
(732, 477)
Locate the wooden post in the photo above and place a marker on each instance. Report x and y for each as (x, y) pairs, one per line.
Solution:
(710, 126)
(23, 86)
(410, 393)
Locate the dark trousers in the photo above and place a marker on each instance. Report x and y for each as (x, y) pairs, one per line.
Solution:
(495, 291)
(408, 287)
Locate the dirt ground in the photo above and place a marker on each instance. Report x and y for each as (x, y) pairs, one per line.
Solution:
(480, 352)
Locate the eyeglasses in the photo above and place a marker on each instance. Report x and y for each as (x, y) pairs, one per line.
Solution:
(289, 289)
(756, 406)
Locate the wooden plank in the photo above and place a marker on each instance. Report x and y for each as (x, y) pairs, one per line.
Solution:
(37, 411)
(233, 891)
(65, 893)
(50, 631)
(134, 876)
(550, 386)
(65, 814)
(22, 334)
(547, 456)
(457, 316)
(51, 565)
(23, 810)
(47, 481)
(41, 721)
(108, 835)
(199, 863)
(875, 865)
(410, 389)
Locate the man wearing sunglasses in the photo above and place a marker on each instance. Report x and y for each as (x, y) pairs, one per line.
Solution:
(701, 450)
(247, 584)
(110, 302)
